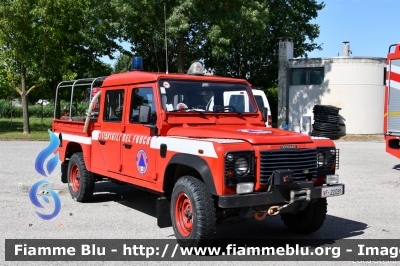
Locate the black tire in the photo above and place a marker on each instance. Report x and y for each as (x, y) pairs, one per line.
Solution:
(309, 220)
(326, 109)
(326, 118)
(326, 127)
(192, 213)
(80, 180)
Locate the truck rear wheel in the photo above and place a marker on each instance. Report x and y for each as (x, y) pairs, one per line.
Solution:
(80, 180)
(192, 212)
(309, 220)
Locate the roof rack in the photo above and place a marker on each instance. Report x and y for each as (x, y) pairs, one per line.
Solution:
(76, 83)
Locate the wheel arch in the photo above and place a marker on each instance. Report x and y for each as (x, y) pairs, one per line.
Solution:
(72, 147)
(188, 164)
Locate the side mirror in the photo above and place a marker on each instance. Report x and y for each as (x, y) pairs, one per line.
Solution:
(144, 114)
(265, 114)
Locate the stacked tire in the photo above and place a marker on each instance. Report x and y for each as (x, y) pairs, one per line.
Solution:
(326, 122)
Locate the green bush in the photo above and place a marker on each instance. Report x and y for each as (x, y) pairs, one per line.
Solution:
(35, 111)
(5, 110)
(78, 109)
(272, 95)
(16, 111)
(82, 108)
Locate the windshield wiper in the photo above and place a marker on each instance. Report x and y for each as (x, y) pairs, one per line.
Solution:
(226, 107)
(190, 110)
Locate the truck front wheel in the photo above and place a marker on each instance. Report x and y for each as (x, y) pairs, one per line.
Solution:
(80, 180)
(192, 212)
(309, 220)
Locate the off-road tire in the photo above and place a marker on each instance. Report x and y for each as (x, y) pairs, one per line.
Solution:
(190, 195)
(309, 220)
(80, 180)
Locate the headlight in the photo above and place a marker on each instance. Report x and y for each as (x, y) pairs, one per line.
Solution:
(241, 166)
(328, 158)
(321, 158)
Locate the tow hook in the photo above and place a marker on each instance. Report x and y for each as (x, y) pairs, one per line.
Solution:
(272, 211)
(295, 196)
(259, 215)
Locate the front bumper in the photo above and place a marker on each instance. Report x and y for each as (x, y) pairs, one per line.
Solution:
(279, 195)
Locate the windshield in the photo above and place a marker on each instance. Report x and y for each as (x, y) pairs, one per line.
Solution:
(206, 96)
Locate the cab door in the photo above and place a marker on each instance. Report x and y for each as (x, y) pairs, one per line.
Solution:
(138, 160)
(112, 128)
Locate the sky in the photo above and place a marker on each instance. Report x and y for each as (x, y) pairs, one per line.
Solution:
(370, 27)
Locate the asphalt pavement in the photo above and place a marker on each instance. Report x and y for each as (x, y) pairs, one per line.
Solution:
(368, 210)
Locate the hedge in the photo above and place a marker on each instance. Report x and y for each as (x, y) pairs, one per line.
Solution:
(79, 109)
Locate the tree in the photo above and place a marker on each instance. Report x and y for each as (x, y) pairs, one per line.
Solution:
(123, 63)
(45, 41)
(144, 30)
(245, 43)
(142, 25)
(6, 91)
(235, 38)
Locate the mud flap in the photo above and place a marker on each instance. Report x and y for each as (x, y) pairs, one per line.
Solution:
(163, 212)
(64, 170)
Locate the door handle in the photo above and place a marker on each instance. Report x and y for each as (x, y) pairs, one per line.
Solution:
(127, 146)
(102, 142)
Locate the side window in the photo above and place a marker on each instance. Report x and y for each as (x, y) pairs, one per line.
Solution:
(113, 106)
(307, 76)
(299, 76)
(316, 76)
(142, 96)
(260, 101)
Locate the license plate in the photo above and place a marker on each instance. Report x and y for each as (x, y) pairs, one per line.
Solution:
(331, 191)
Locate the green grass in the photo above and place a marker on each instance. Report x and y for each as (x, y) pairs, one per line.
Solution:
(13, 130)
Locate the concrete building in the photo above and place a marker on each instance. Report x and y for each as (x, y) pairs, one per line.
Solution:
(354, 84)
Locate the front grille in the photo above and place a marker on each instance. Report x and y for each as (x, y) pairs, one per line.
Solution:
(298, 161)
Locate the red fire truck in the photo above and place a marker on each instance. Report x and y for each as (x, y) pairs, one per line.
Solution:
(392, 101)
(210, 158)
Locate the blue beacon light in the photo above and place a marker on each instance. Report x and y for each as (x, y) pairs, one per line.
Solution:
(137, 63)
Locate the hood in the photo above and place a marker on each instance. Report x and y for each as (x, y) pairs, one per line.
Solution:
(252, 134)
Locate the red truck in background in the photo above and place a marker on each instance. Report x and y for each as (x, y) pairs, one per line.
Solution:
(392, 101)
(174, 134)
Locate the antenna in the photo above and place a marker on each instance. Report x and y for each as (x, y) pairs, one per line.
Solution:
(166, 45)
(155, 51)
